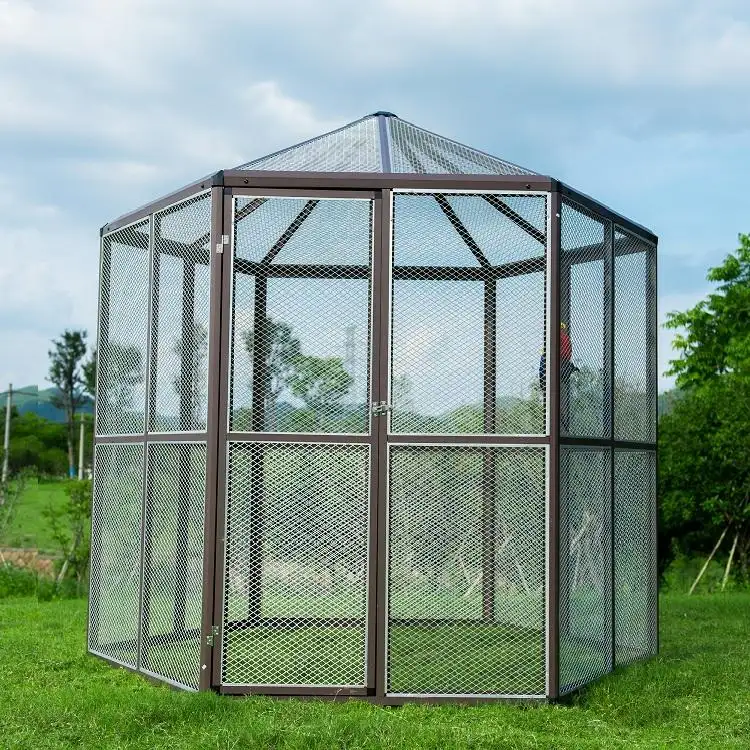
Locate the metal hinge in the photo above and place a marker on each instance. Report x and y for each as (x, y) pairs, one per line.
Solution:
(224, 241)
(381, 408)
(214, 634)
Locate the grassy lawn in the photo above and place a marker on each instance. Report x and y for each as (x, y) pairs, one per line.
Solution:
(29, 527)
(695, 695)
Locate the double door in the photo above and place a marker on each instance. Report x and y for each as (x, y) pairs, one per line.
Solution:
(358, 455)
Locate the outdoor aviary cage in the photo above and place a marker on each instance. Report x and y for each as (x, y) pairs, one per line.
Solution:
(376, 417)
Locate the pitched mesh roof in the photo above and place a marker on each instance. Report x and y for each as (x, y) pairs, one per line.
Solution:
(382, 142)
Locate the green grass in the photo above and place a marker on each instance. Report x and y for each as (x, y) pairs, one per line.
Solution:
(29, 527)
(696, 694)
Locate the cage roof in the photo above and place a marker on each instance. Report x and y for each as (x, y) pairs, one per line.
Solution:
(382, 142)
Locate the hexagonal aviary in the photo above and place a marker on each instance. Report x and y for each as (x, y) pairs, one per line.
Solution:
(376, 417)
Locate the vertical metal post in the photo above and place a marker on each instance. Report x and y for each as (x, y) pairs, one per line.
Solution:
(214, 434)
(374, 396)
(382, 286)
(608, 403)
(6, 438)
(223, 280)
(144, 592)
(553, 499)
(105, 264)
(489, 519)
(156, 220)
(564, 416)
(651, 388)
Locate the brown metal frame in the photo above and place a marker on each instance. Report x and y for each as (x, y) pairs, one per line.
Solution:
(225, 185)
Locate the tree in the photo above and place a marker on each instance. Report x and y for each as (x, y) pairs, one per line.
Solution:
(89, 374)
(36, 443)
(704, 470)
(716, 337)
(196, 375)
(66, 372)
(321, 382)
(122, 371)
(70, 527)
(705, 466)
(281, 348)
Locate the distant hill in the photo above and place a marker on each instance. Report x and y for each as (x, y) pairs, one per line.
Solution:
(31, 399)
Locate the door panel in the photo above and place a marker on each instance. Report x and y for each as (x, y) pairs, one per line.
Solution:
(297, 494)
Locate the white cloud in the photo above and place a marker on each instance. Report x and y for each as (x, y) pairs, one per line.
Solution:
(117, 102)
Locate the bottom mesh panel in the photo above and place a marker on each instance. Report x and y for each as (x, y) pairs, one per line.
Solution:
(585, 571)
(296, 565)
(635, 555)
(173, 570)
(116, 552)
(466, 570)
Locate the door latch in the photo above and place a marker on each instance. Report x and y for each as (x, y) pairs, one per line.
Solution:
(210, 639)
(381, 408)
(224, 241)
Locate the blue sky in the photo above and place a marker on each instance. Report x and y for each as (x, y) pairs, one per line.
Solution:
(105, 105)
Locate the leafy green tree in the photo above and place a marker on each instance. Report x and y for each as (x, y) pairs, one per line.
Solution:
(197, 375)
(705, 464)
(282, 348)
(321, 382)
(714, 336)
(66, 372)
(70, 529)
(704, 467)
(122, 371)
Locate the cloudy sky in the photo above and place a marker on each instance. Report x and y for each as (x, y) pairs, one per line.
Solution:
(106, 105)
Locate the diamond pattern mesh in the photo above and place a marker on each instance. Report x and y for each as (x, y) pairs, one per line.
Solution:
(584, 404)
(123, 326)
(296, 565)
(466, 570)
(635, 555)
(635, 384)
(116, 552)
(178, 398)
(419, 151)
(173, 569)
(353, 148)
(468, 313)
(307, 324)
(585, 573)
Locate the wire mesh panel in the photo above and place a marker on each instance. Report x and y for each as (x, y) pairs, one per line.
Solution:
(296, 565)
(353, 148)
(635, 555)
(635, 310)
(416, 150)
(585, 565)
(178, 393)
(173, 562)
(123, 329)
(584, 370)
(116, 552)
(301, 315)
(468, 313)
(466, 567)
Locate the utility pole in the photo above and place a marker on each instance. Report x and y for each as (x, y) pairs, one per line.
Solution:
(6, 441)
(80, 450)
